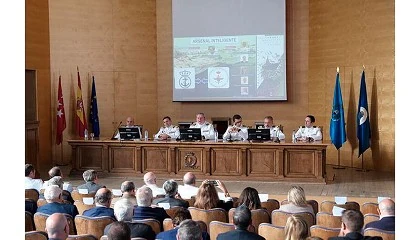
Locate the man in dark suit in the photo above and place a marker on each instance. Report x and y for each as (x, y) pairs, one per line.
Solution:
(189, 230)
(351, 227)
(172, 197)
(91, 179)
(241, 219)
(144, 210)
(55, 204)
(103, 198)
(386, 211)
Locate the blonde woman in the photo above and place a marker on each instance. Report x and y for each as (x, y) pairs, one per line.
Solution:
(296, 228)
(297, 201)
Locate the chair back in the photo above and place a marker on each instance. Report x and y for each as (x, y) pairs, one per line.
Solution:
(324, 232)
(167, 224)
(92, 225)
(79, 196)
(370, 218)
(40, 220)
(279, 217)
(32, 194)
(41, 202)
(328, 220)
(327, 206)
(215, 214)
(269, 231)
(191, 201)
(36, 235)
(171, 211)
(29, 222)
(217, 227)
(258, 216)
(312, 203)
(270, 205)
(81, 207)
(369, 207)
(386, 235)
(154, 223)
(82, 237)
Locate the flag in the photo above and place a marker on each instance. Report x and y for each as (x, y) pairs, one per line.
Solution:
(80, 110)
(363, 124)
(337, 123)
(61, 114)
(94, 118)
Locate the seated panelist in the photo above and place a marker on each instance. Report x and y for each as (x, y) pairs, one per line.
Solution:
(168, 131)
(309, 132)
(275, 131)
(207, 129)
(129, 123)
(237, 131)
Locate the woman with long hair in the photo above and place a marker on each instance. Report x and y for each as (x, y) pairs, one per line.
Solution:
(296, 228)
(207, 197)
(249, 197)
(297, 201)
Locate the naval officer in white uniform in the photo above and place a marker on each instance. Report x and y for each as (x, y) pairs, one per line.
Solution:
(207, 129)
(237, 131)
(275, 131)
(309, 132)
(168, 131)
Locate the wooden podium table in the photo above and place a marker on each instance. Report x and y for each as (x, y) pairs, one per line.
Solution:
(244, 161)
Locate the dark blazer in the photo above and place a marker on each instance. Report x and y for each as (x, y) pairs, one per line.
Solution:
(225, 205)
(99, 212)
(171, 235)
(137, 230)
(90, 186)
(157, 213)
(173, 202)
(386, 223)
(31, 206)
(239, 234)
(55, 207)
(354, 236)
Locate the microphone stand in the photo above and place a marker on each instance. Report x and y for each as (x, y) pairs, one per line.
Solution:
(115, 131)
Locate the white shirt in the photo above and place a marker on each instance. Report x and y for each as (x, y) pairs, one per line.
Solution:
(156, 190)
(172, 131)
(239, 135)
(187, 191)
(31, 183)
(276, 132)
(207, 129)
(312, 132)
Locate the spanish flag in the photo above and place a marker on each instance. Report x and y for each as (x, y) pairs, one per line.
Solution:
(80, 110)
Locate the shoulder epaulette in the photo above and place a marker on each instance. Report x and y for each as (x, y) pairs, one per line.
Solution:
(176, 127)
(314, 126)
(302, 126)
(244, 126)
(193, 124)
(207, 124)
(260, 127)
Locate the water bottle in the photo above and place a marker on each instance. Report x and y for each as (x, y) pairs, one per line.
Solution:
(146, 135)
(86, 134)
(216, 135)
(293, 137)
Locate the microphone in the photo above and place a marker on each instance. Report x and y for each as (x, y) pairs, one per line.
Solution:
(115, 132)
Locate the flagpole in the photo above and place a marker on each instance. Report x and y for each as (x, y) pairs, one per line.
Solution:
(339, 158)
(363, 168)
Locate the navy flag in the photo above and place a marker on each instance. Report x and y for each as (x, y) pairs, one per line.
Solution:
(363, 123)
(94, 118)
(337, 123)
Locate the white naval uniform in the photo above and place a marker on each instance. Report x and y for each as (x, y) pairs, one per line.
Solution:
(241, 134)
(172, 131)
(276, 132)
(117, 136)
(207, 129)
(312, 132)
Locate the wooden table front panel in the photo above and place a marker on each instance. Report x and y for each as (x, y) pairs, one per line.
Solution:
(190, 159)
(156, 159)
(226, 162)
(300, 163)
(121, 159)
(265, 162)
(92, 158)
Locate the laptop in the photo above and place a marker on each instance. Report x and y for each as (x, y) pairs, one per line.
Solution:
(259, 134)
(190, 134)
(129, 133)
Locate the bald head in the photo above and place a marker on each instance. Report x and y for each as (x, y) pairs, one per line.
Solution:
(149, 178)
(130, 122)
(144, 196)
(189, 178)
(57, 226)
(103, 197)
(387, 208)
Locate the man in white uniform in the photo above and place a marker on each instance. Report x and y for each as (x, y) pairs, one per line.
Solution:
(236, 132)
(129, 123)
(275, 131)
(309, 132)
(207, 129)
(168, 131)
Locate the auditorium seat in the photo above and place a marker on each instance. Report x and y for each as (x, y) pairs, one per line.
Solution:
(215, 214)
(41, 218)
(270, 205)
(32, 194)
(386, 235)
(171, 211)
(257, 215)
(324, 232)
(167, 224)
(29, 222)
(36, 235)
(79, 196)
(369, 207)
(279, 217)
(325, 219)
(154, 223)
(313, 203)
(191, 201)
(81, 207)
(92, 225)
(82, 237)
(270, 231)
(217, 227)
(327, 206)
(370, 218)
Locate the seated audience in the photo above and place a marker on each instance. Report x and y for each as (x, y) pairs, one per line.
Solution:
(207, 197)
(150, 181)
(123, 210)
(144, 210)
(188, 189)
(351, 226)
(30, 181)
(91, 179)
(56, 172)
(54, 203)
(249, 197)
(308, 132)
(296, 228)
(297, 201)
(180, 215)
(386, 210)
(241, 219)
(119, 231)
(57, 180)
(57, 227)
(172, 197)
(103, 198)
(189, 230)
(128, 190)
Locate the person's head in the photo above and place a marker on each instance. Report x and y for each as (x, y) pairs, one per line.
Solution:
(103, 197)
(200, 118)
(52, 193)
(386, 208)
(268, 122)
(249, 197)
(130, 122)
(170, 187)
(57, 180)
(128, 187)
(189, 178)
(90, 175)
(29, 170)
(242, 217)
(351, 221)
(55, 171)
(296, 196)
(296, 228)
(57, 226)
(189, 230)
(237, 120)
(144, 196)
(149, 178)
(119, 231)
(309, 121)
(167, 121)
(207, 197)
(123, 210)
(180, 215)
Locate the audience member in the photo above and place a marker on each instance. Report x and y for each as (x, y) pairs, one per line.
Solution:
(91, 179)
(297, 201)
(189, 230)
(30, 181)
(54, 203)
(249, 197)
(172, 197)
(57, 227)
(207, 197)
(128, 190)
(119, 231)
(351, 226)
(103, 198)
(144, 210)
(296, 228)
(56, 172)
(308, 132)
(150, 181)
(241, 219)
(58, 180)
(168, 131)
(123, 210)
(188, 189)
(386, 210)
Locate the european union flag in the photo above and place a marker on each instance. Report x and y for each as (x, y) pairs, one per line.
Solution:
(337, 123)
(363, 123)
(94, 118)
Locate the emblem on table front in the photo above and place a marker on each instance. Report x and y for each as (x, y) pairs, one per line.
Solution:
(190, 160)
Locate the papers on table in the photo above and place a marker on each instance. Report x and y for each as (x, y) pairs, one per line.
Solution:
(341, 200)
(164, 205)
(117, 192)
(88, 200)
(337, 211)
(83, 191)
(263, 197)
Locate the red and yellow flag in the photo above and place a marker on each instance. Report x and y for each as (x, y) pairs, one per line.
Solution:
(61, 115)
(80, 110)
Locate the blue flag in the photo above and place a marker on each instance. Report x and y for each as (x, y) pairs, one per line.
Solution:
(363, 123)
(94, 118)
(337, 123)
